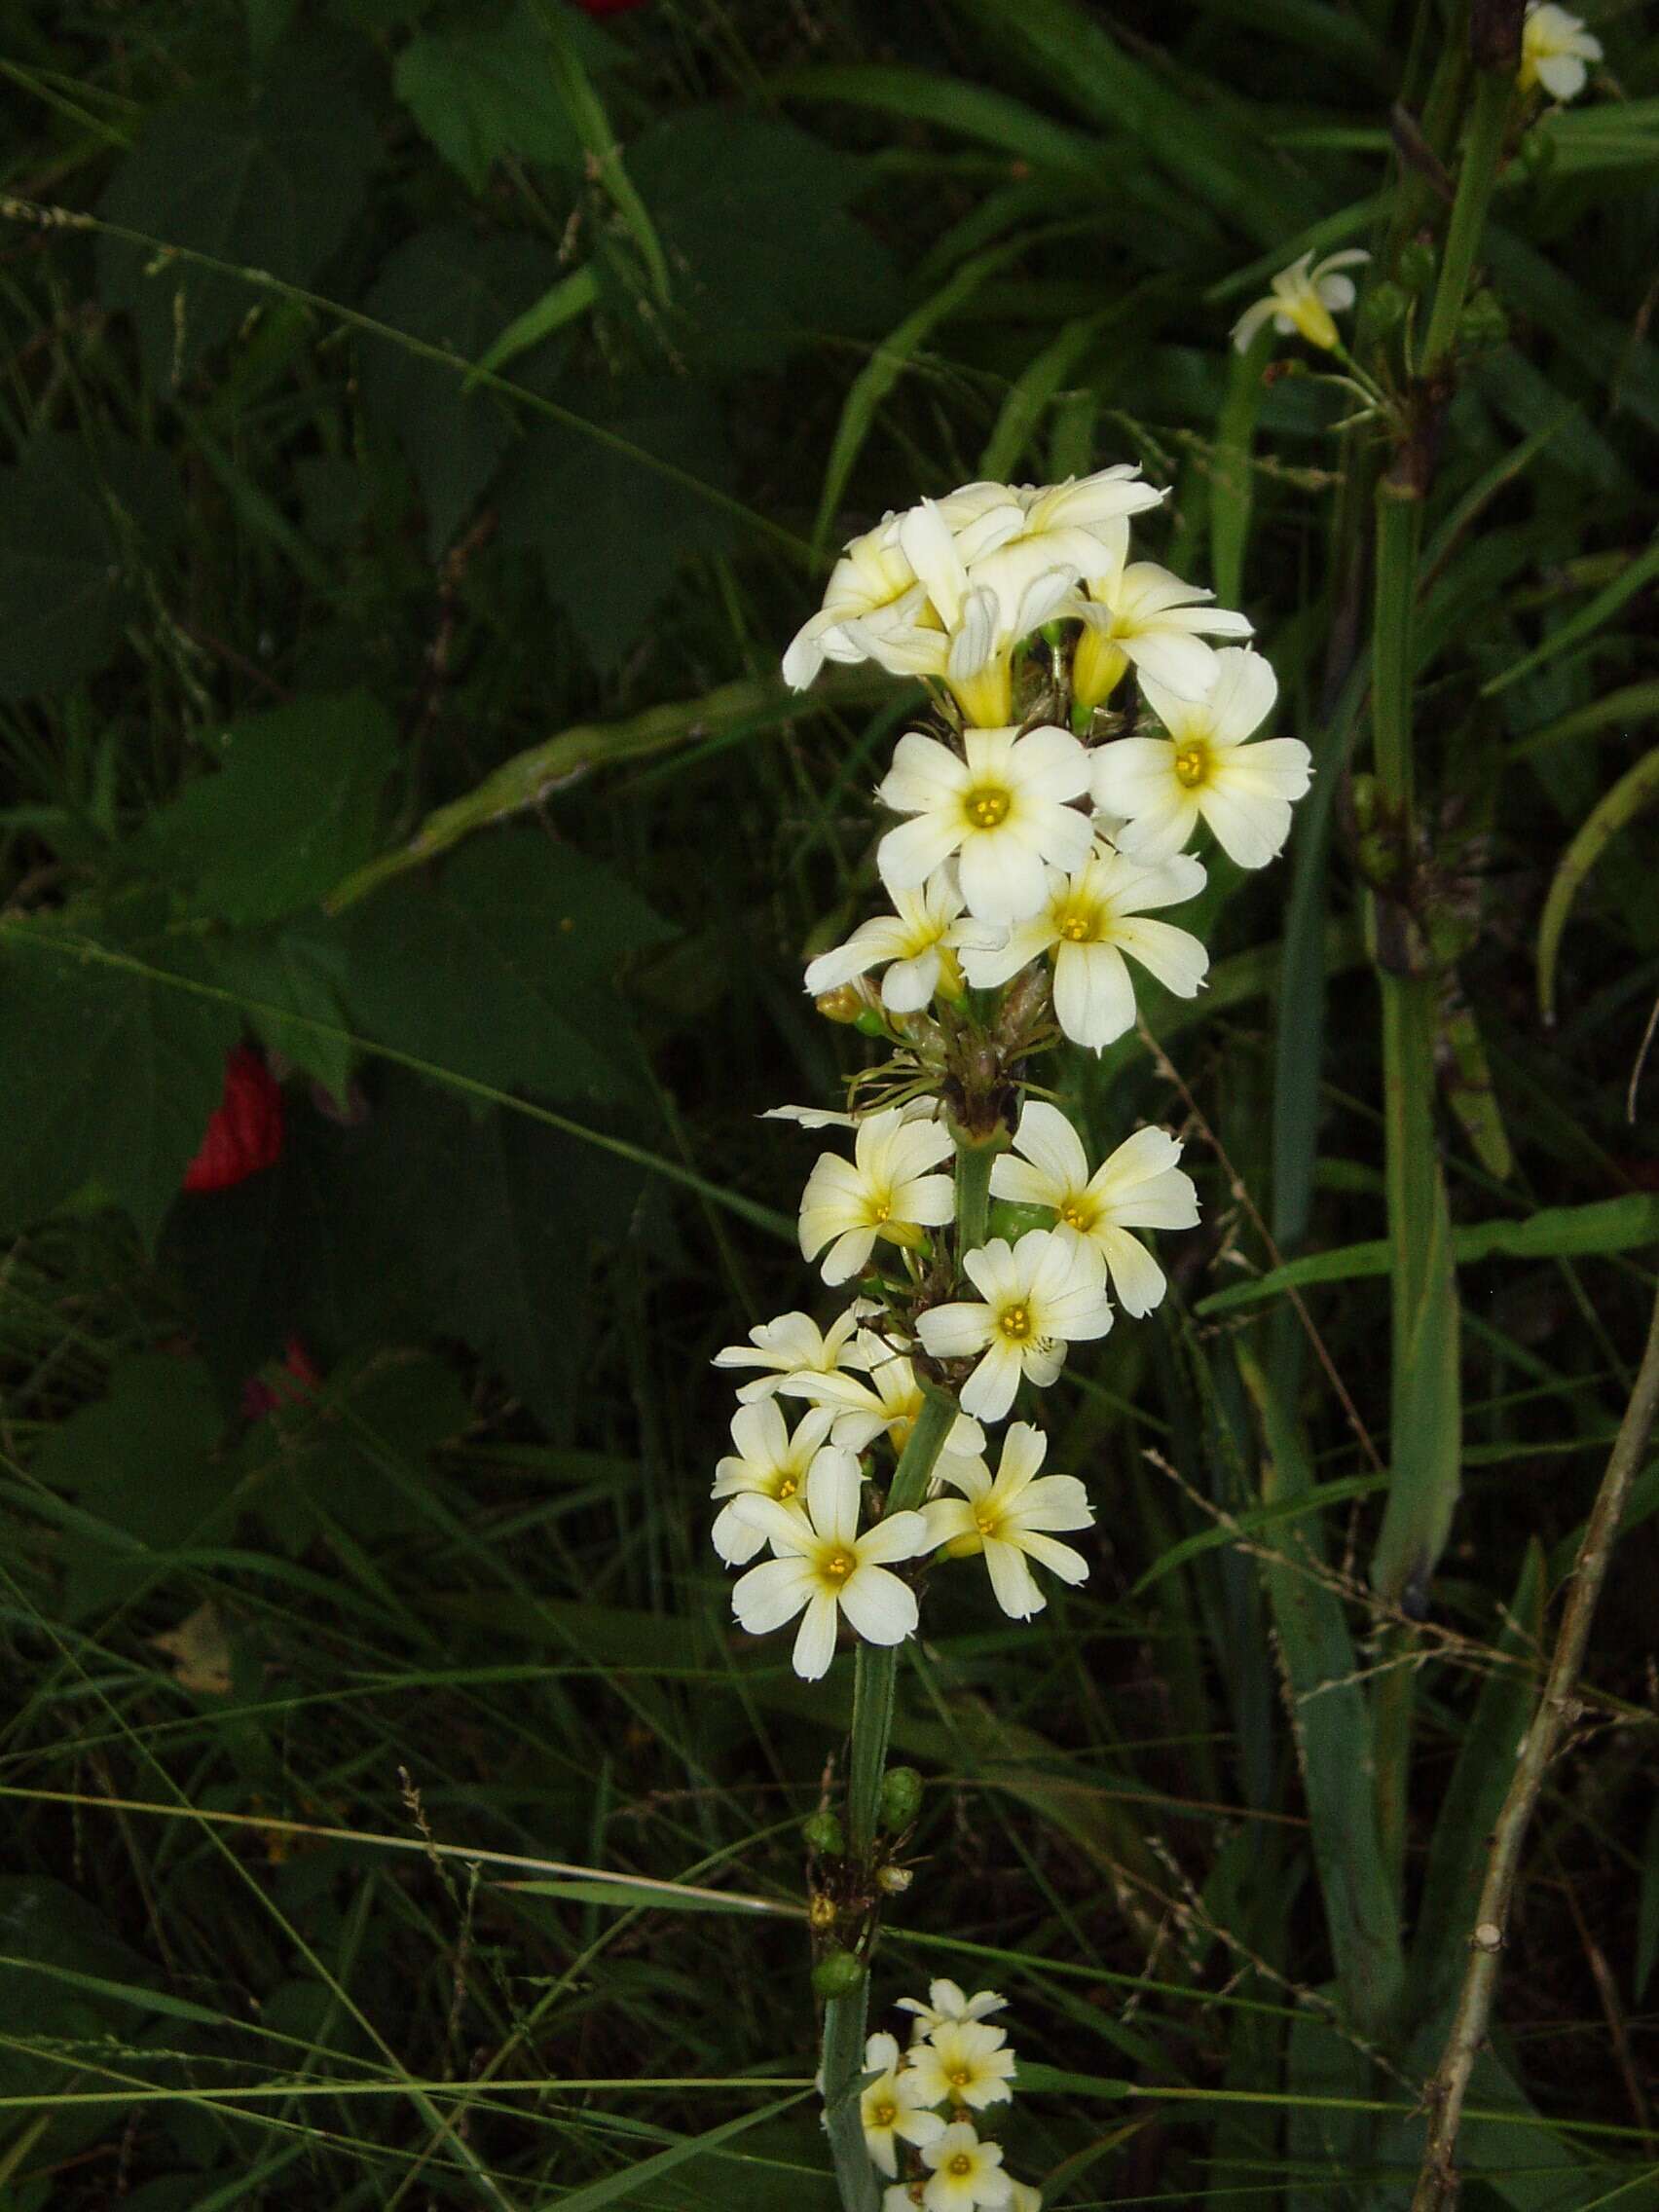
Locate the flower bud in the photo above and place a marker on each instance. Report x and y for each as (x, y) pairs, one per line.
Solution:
(823, 1832)
(894, 1880)
(1007, 1219)
(837, 1974)
(1415, 267)
(900, 1797)
(1482, 324)
(820, 1913)
(1385, 306)
(869, 1022)
(1536, 152)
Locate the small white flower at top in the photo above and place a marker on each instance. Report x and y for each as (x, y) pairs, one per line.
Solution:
(965, 2173)
(1159, 787)
(870, 578)
(893, 2105)
(1011, 1521)
(1140, 1186)
(767, 1462)
(886, 1189)
(1305, 298)
(914, 944)
(1039, 1295)
(1142, 615)
(947, 2001)
(963, 2064)
(1002, 807)
(793, 1344)
(824, 1568)
(1089, 921)
(1554, 49)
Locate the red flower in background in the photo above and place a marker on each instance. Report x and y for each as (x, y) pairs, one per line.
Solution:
(245, 1130)
(261, 1398)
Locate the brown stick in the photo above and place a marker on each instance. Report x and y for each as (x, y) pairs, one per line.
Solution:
(1558, 1708)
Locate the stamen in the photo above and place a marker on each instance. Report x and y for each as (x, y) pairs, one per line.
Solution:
(1015, 1322)
(1191, 765)
(988, 806)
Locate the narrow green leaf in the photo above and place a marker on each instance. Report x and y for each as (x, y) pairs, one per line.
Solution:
(1634, 791)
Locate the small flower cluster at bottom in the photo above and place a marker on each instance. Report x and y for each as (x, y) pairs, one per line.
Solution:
(932, 2097)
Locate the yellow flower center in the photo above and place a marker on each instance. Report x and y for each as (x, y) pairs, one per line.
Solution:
(987, 805)
(885, 2114)
(986, 1523)
(960, 2079)
(1015, 1322)
(1191, 765)
(881, 1210)
(786, 1487)
(838, 1565)
(1077, 1213)
(1076, 928)
(962, 2163)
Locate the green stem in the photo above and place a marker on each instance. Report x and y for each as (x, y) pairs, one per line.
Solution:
(840, 2071)
(973, 1193)
(1483, 150)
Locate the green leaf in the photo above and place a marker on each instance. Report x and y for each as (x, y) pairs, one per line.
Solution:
(1607, 1225)
(274, 183)
(111, 1079)
(142, 1459)
(482, 94)
(455, 289)
(290, 811)
(73, 522)
(612, 531)
(300, 970)
(1638, 787)
(501, 969)
(762, 253)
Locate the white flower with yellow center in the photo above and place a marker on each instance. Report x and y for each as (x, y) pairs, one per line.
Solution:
(973, 656)
(949, 2000)
(793, 1344)
(915, 943)
(767, 1462)
(963, 2062)
(1037, 1296)
(1021, 531)
(885, 1190)
(965, 2173)
(824, 1569)
(1011, 1521)
(1160, 786)
(1025, 2198)
(1139, 1186)
(1089, 921)
(883, 1400)
(870, 578)
(1001, 807)
(1305, 296)
(893, 2105)
(1142, 615)
(1555, 49)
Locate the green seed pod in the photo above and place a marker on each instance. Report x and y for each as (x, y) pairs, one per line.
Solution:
(1416, 266)
(900, 1797)
(1384, 306)
(1537, 152)
(839, 1974)
(870, 1023)
(823, 1833)
(1013, 1221)
(1482, 324)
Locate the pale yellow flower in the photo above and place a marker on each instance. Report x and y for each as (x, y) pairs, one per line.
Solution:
(1555, 49)
(1305, 298)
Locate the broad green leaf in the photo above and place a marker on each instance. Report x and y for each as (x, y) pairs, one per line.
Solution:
(614, 532)
(292, 809)
(75, 520)
(296, 969)
(273, 183)
(485, 92)
(111, 1079)
(142, 1456)
(1607, 1225)
(763, 254)
(458, 290)
(500, 968)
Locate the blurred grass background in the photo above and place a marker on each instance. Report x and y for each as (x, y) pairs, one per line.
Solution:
(428, 424)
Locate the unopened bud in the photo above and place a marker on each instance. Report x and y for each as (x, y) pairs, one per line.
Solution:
(1007, 1219)
(837, 1975)
(1482, 324)
(870, 1023)
(823, 1832)
(900, 1797)
(820, 1913)
(1415, 267)
(1385, 306)
(894, 1880)
(841, 1005)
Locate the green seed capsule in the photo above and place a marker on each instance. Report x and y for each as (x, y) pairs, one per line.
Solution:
(900, 1797)
(1384, 307)
(823, 1833)
(1416, 265)
(837, 1975)
(1482, 323)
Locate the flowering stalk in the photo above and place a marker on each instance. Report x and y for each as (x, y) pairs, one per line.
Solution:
(1083, 731)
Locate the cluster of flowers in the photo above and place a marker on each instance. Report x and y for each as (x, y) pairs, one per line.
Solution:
(1042, 822)
(930, 2097)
